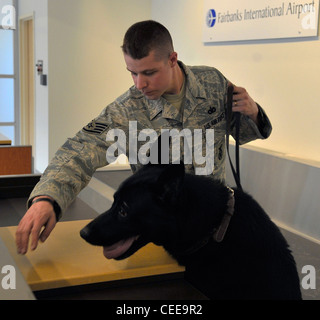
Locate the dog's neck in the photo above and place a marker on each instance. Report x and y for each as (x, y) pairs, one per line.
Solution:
(217, 234)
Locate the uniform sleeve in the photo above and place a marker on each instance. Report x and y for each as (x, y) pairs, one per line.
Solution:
(77, 159)
(250, 131)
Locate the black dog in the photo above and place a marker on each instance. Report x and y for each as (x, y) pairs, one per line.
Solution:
(230, 247)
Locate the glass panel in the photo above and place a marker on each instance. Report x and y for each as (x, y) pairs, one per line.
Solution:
(6, 100)
(8, 131)
(6, 51)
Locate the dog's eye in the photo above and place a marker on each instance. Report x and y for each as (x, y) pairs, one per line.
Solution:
(123, 211)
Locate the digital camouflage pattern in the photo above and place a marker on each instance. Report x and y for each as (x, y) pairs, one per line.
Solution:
(204, 108)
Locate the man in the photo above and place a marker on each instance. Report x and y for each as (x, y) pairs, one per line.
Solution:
(166, 95)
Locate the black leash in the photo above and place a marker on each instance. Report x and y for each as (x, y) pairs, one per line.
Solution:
(236, 172)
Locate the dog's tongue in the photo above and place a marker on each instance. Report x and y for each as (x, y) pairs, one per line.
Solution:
(119, 248)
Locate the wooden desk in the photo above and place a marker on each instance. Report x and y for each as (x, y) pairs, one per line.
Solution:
(66, 260)
(15, 160)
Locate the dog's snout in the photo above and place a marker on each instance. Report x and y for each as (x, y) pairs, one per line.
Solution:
(85, 232)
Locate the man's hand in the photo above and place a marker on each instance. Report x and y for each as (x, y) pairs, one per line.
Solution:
(40, 215)
(244, 104)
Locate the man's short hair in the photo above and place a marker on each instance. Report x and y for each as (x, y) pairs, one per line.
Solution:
(143, 37)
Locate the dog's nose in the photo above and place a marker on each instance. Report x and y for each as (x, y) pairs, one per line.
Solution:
(84, 233)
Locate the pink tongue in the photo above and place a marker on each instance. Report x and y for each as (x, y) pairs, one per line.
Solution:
(118, 248)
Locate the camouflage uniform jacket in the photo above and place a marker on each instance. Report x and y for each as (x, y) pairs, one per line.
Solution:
(204, 108)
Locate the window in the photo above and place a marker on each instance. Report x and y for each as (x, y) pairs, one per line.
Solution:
(9, 102)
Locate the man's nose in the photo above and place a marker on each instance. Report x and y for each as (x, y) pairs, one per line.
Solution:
(141, 82)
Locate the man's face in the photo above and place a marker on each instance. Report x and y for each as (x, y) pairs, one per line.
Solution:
(151, 76)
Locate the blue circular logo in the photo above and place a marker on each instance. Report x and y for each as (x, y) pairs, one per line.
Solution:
(211, 18)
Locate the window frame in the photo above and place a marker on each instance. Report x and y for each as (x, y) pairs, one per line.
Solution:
(16, 83)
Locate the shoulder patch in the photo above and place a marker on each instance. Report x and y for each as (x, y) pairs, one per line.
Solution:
(95, 127)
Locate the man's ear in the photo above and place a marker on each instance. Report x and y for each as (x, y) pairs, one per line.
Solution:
(170, 182)
(173, 59)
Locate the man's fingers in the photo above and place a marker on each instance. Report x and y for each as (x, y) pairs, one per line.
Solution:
(21, 242)
(41, 230)
(47, 230)
(35, 234)
(40, 215)
(26, 230)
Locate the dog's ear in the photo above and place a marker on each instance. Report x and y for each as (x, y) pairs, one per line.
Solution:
(170, 182)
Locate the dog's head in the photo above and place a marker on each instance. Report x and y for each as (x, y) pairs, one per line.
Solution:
(143, 211)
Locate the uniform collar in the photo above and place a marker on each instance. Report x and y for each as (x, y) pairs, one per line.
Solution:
(194, 88)
(167, 109)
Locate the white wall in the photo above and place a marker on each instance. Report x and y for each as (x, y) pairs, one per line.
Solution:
(39, 9)
(282, 76)
(86, 69)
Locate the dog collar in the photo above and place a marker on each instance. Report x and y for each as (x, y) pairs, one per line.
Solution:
(217, 234)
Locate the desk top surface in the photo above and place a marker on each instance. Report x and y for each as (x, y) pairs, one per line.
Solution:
(67, 260)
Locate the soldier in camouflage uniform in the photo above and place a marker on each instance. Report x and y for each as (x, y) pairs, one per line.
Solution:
(167, 95)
